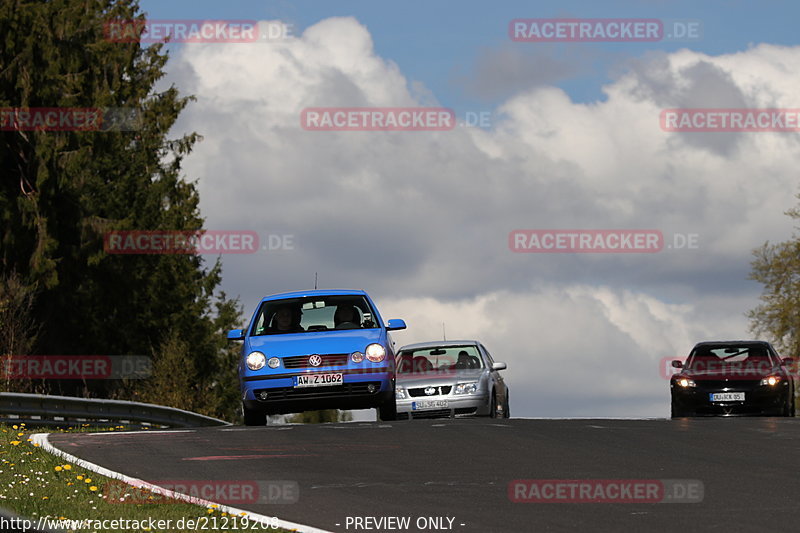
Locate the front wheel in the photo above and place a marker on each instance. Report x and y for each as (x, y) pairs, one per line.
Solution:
(253, 418)
(506, 407)
(388, 411)
(493, 406)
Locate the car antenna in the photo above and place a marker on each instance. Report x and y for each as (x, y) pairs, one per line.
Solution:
(444, 336)
(315, 281)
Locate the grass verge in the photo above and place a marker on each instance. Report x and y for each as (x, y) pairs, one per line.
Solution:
(58, 495)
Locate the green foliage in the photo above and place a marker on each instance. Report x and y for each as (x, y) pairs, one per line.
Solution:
(62, 190)
(777, 267)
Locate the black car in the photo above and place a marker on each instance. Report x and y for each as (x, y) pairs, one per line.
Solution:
(733, 378)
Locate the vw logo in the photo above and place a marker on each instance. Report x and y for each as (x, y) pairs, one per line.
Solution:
(315, 360)
(430, 391)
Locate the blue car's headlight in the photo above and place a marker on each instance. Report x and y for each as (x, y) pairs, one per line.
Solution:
(400, 393)
(466, 388)
(375, 353)
(256, 360)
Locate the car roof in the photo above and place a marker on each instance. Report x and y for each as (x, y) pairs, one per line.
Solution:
(729, 343)
(313, 292)
(436, 344)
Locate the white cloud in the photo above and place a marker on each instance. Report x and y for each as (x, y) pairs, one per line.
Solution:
(421, 219)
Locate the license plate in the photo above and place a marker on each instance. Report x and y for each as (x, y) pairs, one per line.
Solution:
(318, 380)
(428, 404)
(726, 396)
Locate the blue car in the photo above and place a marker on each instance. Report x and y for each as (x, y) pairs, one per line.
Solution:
(317, 349)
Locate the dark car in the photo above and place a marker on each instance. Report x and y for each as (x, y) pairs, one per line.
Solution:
(733, 378)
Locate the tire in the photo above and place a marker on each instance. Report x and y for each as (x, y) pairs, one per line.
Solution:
(675, 412)
(493, 406)
(507, 407)
(388, 411)
(788, 409)
(253, 418)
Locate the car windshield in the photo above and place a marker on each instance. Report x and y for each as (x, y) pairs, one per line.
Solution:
(438, 359)
(315, 313)
(718, 357)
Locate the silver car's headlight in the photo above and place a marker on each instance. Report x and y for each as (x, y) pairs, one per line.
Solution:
(400, 393)
(256, 360)
(466, 388)
(375, 353)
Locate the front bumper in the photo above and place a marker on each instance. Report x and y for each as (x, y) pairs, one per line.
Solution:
(759, 400)
(457, 406)
(359, 390)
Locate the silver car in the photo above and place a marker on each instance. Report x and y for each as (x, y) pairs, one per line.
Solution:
(449, 379)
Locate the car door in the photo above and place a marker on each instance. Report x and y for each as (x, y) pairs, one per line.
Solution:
(496, 377)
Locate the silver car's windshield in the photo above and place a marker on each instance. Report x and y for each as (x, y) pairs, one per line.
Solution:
(439, 359)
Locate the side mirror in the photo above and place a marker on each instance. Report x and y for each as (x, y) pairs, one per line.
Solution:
(395, 323)
(677, 364)
(499, 366)
(236, 335)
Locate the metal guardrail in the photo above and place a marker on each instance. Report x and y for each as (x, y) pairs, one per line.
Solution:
(46, 410)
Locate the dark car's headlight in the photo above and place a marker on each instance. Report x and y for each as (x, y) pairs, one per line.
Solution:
(375, 353)
(685, 383)
(771, 381)
(466, 388)
(256, 360)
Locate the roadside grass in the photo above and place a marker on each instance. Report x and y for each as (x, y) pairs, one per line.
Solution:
(36, 484)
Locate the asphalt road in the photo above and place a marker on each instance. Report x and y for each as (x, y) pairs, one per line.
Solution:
(461, 470)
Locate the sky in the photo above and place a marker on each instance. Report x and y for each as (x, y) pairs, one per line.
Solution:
(549, 136)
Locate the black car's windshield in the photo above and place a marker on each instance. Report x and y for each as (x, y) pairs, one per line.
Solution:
(317, 313)
(439, 359)
(719, 357)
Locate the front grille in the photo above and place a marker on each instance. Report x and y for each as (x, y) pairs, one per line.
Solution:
(333, 391)
(301, 361)
(466, 410)
(440, 391)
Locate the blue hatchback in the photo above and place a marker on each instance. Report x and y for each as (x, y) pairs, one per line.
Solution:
(320, 349)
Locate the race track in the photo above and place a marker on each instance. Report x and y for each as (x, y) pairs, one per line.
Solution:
(461, 470)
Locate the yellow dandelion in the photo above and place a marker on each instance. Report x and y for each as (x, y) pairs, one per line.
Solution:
(20, 434)
(45, 497)
(67, 467)
(209, 511)
(88, 480)
(70, 483)
(92, 488)
(15, 427)
(79, 478)
(58, 469)
(15, 442)
(36, 444)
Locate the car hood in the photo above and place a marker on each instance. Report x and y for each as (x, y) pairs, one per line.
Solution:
(322, 342)
(447, 377)
(730, 373)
